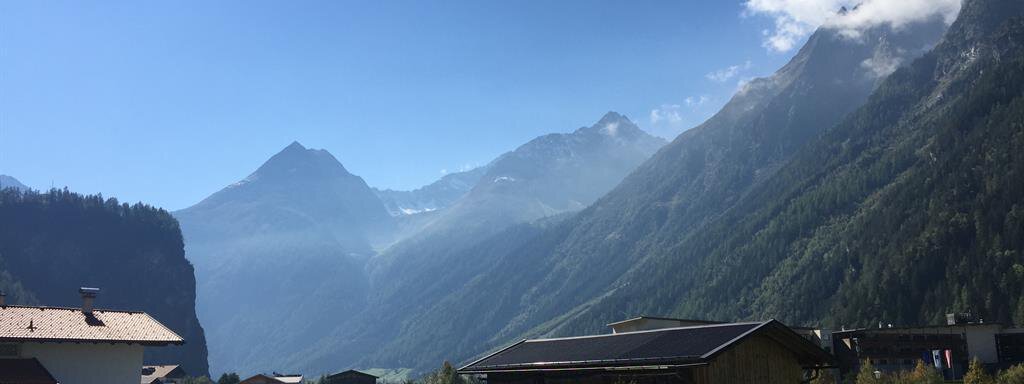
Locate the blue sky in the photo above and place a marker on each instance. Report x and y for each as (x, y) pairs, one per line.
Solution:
(167, 102)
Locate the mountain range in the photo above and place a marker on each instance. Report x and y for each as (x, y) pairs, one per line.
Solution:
(875, 177)
(288, 255)
(542, 280)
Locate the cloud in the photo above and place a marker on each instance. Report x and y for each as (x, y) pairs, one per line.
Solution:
(697, 101)
(882, 63)
(669, 113)
(795, 19)
(727, 73)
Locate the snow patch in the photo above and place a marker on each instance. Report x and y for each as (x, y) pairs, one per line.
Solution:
(504, 178)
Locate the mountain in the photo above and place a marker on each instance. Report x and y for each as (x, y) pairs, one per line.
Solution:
(437, 195)
(11, 182)
(273, 249)
(53, 243)
(521, 192)
(545, 281)
(910, 208)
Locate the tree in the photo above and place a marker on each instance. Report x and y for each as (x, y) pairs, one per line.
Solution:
(866, 375)
(1012, 375)
(976, 374)
(229, 378)
(924, 374)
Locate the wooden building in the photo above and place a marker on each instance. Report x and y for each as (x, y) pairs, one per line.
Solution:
(761, 352)
(351, 377)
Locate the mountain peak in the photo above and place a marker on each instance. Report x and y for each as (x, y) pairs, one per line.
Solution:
(296, 160)
(614, 124)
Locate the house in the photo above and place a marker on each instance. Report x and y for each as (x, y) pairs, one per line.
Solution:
(351, 377)
(77, 345)
(756, 352)
(276, 378)
(162, 374)
(949, 347)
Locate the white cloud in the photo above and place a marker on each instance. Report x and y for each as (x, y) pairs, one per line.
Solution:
(669, 113)
(883, 63)
(727, 73)
(795, 19)
(697, 101)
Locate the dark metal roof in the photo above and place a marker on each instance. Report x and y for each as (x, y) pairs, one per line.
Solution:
(352, 372)
(24, 371)
(669, 346)
(643, 317)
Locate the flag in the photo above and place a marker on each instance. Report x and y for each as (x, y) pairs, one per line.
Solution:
(949, 358)
(927, 357)
(937, 358)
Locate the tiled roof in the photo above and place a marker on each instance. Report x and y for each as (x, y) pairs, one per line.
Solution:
(52, 324)
(24, 371)
(669, 346)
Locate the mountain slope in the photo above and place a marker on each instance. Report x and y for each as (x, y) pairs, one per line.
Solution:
(910, 208)
(53, 243)
(294, 234)
(541, 180)
(549, 278)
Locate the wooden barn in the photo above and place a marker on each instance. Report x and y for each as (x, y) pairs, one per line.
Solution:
(764, 352)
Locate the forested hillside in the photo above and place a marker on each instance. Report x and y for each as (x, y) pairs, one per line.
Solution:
(911, 208)
(53, 243)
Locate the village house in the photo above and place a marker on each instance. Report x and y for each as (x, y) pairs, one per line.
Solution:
(949, 347)
(44, 345)
(702, 353)
(351, 377)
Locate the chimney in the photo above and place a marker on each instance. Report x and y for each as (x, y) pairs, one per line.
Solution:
(3, 298)
(88, 295)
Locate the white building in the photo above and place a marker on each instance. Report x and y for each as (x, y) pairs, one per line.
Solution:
(78, 345)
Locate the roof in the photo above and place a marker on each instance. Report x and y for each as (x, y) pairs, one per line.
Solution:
(263, 378)
(24, 371)
(53, 324)
(664, 318)
(352, 372)
(153, 372)
(930, 327)
(680, 346)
